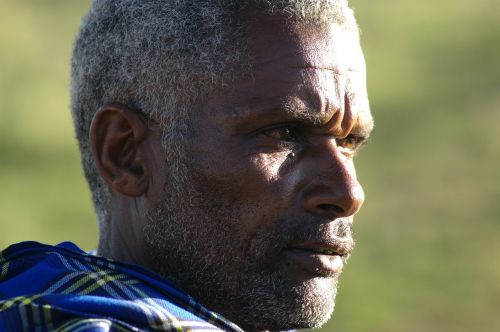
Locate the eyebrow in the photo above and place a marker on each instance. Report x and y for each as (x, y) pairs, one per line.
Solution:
(275, 107)
(302, 114)
(298, 110)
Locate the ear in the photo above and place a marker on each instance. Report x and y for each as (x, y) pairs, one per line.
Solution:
(116, 135)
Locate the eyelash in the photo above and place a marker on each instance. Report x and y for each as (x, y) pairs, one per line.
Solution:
(288, 135)
(291, 133)
(351, 142)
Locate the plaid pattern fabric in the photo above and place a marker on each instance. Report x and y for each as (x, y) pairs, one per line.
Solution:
(62, 288)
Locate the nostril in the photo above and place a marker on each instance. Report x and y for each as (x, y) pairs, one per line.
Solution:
(331, 209)
(338, 200)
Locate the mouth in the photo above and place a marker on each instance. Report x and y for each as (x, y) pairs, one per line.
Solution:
(319, 251)
(336, 246)
(319, 258)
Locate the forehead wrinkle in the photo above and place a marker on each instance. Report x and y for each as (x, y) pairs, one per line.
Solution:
(334, 112)
(340, 123)
(324, 96)
(325, 93)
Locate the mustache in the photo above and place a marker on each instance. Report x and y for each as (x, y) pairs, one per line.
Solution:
(338, 234)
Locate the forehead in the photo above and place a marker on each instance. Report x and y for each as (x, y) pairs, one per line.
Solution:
(272, 40)
(300, 66)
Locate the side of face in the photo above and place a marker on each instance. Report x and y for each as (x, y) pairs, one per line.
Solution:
(256, 222)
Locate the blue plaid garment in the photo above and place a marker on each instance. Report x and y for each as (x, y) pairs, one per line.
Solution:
(62, 288)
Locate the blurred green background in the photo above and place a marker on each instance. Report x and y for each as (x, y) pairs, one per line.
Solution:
(428, 254)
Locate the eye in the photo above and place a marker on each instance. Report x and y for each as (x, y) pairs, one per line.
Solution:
(288, 133)
(351, 142)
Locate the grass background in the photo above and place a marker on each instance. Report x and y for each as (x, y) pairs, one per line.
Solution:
(428, 254)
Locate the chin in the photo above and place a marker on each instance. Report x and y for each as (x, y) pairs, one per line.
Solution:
(285, 305)
(317, 302)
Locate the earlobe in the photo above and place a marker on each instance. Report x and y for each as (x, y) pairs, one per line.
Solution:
(117, 134)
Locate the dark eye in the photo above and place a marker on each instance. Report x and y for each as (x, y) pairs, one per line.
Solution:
(288, 133)
(350, 142)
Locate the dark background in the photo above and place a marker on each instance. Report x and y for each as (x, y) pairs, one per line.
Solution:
(428, 235)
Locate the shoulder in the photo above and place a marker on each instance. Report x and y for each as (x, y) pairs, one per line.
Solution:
(64, 286)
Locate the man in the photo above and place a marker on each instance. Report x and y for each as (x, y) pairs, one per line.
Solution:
(218, 140)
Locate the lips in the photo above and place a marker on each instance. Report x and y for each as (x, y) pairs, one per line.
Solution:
(319, 258)
(336, 246)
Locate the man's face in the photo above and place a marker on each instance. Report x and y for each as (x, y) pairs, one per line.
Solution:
(255, 221)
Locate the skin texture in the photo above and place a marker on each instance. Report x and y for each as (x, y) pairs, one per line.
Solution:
(267, 176)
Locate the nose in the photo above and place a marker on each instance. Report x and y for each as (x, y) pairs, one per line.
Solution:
(333, 190)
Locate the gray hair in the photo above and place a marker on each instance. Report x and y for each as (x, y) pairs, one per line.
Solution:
(163, 57)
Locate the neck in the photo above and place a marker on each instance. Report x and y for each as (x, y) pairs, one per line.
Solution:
(122, 240)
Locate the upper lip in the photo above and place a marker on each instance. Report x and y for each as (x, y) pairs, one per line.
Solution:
(339, 247)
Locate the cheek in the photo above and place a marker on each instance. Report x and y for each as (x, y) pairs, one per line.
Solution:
(258, 184)
(268, 168)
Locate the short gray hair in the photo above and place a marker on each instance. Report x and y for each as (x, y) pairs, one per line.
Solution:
(164, 56)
